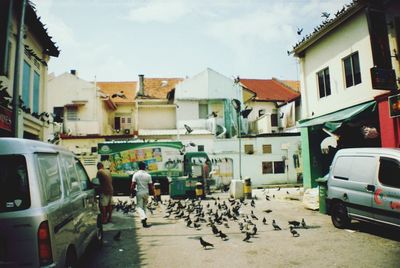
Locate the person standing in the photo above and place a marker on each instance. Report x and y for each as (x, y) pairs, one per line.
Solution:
(106, 192)
(142, 187)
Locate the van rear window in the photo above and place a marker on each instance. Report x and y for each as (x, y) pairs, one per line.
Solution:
(14, 184)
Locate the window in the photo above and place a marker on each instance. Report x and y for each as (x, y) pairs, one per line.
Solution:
(352, 70)
(324, 83)
(274, 120)
(267, 148)
(26, 84)
(73, 179)
(49, 172)
(279, 167)
(267, 168)
(83, 177)
(72, 113)
(14, 183)
(388, 172)
(203, 110)
(200, 148)
(261, 112)
(248, 148)
(275, 167)
(58, 114)
(36, 92)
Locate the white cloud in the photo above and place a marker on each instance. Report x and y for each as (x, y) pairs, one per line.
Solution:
(160, 11)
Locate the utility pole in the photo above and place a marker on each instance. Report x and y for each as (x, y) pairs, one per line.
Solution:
(16, 132)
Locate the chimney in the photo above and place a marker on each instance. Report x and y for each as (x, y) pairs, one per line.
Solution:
(141, 85)
(73, 72)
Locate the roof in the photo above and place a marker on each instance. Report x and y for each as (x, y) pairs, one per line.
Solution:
(270, 89)
(127, 88)
(158, 88)
(39, 30)
(327, 26)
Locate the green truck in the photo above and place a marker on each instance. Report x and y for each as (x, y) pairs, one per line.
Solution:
(168, 164)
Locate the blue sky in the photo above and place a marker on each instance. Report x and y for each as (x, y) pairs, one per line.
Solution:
(115, 40)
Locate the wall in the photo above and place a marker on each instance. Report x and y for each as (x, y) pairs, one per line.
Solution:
(157, 117)
(350, 37)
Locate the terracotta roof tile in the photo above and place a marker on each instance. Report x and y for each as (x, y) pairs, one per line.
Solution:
(158, 88)
(128, 88)
(270, 90)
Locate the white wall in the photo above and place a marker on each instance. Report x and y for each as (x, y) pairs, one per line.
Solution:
(252, 163)
(208, 85)
(351, 37)
(157, 117)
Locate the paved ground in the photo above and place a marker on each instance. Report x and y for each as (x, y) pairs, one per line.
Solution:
(169, 243)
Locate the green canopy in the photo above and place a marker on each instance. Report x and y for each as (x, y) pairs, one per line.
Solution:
(334, 120)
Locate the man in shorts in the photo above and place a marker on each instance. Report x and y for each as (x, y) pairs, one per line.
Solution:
(106, 192)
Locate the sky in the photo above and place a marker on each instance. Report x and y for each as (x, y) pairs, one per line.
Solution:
(116, 40)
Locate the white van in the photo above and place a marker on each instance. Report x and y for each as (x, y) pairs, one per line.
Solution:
(48, 210)
(364, 184)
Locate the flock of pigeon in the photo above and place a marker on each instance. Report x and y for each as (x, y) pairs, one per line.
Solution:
(199, 214)
(215, 214)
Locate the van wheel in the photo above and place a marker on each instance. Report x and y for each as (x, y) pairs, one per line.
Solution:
(339, 216)
(98, 238)
(72, 260)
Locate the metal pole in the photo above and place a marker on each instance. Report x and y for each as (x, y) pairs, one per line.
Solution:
(17, 67)
(240, 146)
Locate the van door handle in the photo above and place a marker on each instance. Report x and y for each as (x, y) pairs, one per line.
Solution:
(370, 188)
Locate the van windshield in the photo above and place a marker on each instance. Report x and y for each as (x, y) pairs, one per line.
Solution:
(14, 186)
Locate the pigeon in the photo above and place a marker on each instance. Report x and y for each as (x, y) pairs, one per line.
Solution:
(267, 198)
(276, 226)
(254, 231)
(205, 244)
(267, 211)
(294, 223)
(279, 188)
(117, 236)
(325, 14)
(223, 236)
(215, 229)
(294, 232)
(247, 238)
(264, 220)
(299, 30)
(303, 224)
(253, 204)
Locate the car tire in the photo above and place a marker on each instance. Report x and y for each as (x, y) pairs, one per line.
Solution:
(71, 259)
(98, 238)
(339, 216)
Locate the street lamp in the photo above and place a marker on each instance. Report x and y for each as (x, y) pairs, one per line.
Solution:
(236, 105)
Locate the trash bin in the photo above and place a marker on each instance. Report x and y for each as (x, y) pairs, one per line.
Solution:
(323, 188)
(247, 188)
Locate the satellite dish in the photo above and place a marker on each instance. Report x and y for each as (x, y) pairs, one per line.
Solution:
(188, 129)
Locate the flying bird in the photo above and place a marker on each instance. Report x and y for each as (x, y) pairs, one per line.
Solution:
(325, 14)
(299, 30)
(294, 223)
(205, 244)
(119, 94)
(117, 236)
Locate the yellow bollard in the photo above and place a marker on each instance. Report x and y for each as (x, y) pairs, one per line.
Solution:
(247, 188)
(157, 191)
(199, 190)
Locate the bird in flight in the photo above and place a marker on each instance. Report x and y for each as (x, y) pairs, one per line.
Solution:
(325, 14)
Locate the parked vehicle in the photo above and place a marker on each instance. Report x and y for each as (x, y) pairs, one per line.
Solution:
(364, 184)
(166, 161)
(48, 210)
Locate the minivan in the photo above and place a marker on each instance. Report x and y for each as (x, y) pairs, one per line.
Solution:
(48, 208)
(364, 184)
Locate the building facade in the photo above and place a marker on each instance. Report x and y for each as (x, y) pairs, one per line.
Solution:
(347, 69)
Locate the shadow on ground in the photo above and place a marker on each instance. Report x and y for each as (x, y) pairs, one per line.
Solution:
(124, 252)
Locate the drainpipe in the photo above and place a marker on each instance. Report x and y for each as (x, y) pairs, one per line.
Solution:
(16, 132)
